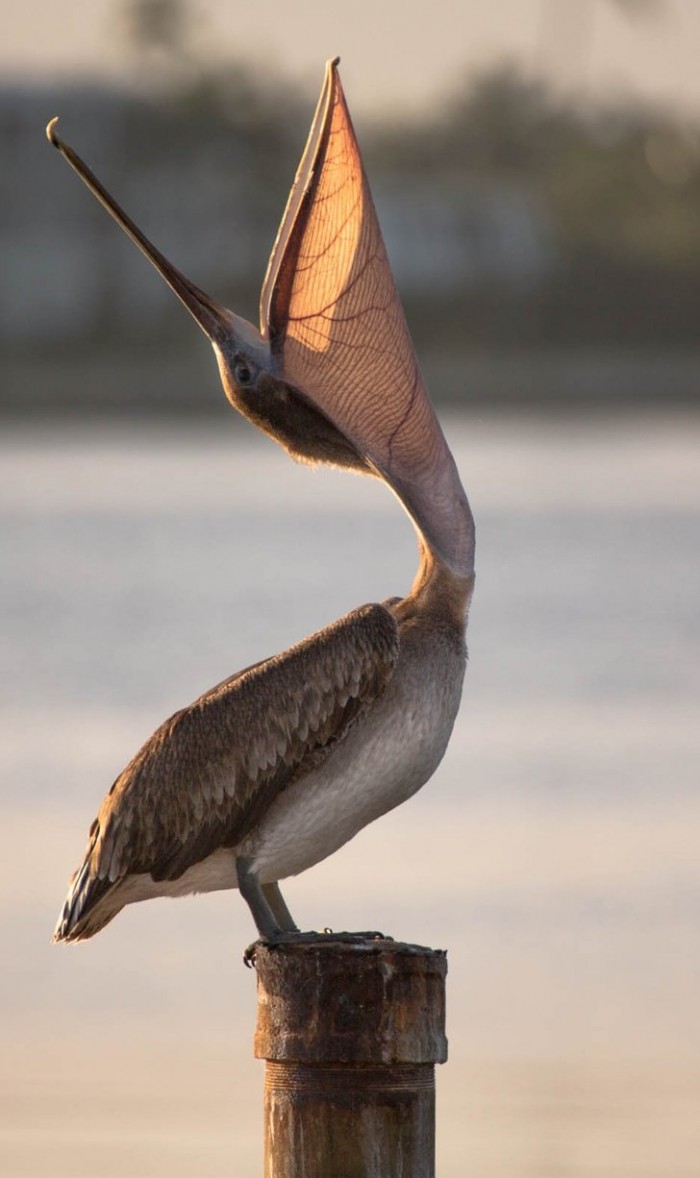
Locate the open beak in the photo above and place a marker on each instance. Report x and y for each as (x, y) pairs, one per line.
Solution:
(337, 330)
(214, 320)
(333, 328)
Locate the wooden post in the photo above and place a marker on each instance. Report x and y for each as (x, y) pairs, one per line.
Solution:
(351, 1033)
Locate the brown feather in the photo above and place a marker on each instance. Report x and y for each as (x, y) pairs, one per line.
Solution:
(207, 775)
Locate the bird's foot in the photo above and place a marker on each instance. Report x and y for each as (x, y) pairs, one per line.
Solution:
(356, 938)
(309, 938)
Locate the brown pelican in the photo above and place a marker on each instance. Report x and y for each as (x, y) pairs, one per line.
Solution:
(280, 765)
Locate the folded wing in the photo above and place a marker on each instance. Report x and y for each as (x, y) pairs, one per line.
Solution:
(210, 772)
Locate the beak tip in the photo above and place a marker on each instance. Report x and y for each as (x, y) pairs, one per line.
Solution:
(51, 132)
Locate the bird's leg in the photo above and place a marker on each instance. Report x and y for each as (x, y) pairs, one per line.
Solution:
(254, 894)
(275, 900)
(272, 917)
(274, 921)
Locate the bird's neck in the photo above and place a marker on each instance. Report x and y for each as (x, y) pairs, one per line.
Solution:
(438, 506)
(438, 591)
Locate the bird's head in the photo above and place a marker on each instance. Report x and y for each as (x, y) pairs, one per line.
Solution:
(331, 374)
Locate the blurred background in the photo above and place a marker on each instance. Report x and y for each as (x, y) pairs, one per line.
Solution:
(536, 167)
(536, 171)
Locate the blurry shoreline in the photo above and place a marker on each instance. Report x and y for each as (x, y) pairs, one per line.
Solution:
(547, 250)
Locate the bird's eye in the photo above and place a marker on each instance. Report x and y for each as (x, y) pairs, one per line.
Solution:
(242, 372)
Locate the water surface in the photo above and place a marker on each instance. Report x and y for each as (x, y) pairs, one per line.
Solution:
(555, 853)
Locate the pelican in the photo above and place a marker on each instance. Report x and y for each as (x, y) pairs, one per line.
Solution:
(278, 766)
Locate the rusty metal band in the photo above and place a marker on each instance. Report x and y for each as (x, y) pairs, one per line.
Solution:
(327, 1079)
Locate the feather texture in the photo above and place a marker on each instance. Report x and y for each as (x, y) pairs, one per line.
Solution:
(209, 773)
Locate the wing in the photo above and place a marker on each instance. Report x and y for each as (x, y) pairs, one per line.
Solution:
(209, 773)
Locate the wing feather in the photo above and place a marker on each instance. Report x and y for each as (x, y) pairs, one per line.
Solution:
(208, 773)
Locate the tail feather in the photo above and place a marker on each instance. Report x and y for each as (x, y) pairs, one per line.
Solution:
(90, 904)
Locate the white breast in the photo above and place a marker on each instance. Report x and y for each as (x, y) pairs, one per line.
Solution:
(389, 755)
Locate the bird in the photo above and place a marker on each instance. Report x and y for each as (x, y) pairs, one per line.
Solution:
(280, 765)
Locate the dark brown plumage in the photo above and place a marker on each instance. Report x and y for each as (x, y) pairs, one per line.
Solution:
(209, 772)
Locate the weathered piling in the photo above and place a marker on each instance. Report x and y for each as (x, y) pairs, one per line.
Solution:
(350, 1033)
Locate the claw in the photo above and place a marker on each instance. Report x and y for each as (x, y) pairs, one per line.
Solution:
(249, 955)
